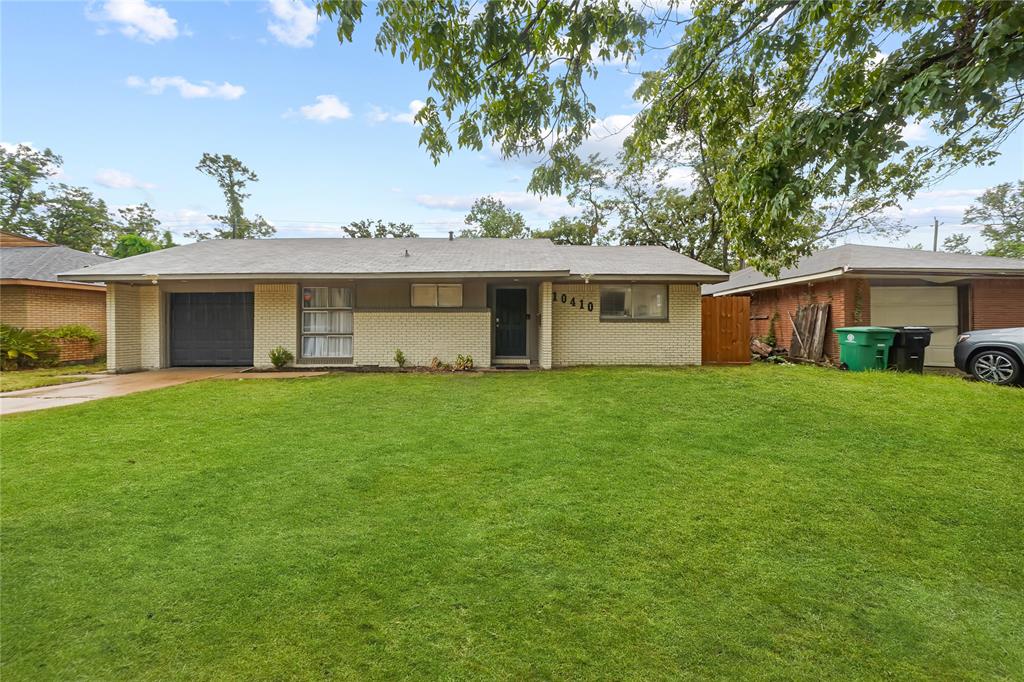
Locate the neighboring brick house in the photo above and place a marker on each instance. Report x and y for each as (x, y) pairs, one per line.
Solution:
(32, 297)
(951, 293)
(356, 301)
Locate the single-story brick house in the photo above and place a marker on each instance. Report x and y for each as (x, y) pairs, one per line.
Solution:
(949, 292)
(356, 301)
(31, 295)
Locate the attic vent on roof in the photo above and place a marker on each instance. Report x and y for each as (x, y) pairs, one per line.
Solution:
(407, 253)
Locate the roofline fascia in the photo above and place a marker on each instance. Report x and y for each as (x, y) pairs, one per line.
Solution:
(77, 284)
(688, 279)
(175, 277)
(966, 272)
(837, 272)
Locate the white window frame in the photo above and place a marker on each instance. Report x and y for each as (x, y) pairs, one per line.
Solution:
(630, 315)
(303, 309)
(436, 298)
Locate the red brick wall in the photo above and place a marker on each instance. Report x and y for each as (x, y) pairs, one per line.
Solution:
(849, 299)
(44, 307)
(997, 303)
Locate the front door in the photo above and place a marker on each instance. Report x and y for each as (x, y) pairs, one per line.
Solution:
(510, 322)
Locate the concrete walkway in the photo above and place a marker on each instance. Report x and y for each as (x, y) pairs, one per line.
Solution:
(105, 387)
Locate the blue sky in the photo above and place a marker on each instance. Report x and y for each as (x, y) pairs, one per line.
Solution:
(132, 93)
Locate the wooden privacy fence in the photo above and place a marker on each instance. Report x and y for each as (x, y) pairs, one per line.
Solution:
(725, 330)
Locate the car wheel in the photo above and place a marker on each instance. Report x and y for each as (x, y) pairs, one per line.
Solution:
(995, 367)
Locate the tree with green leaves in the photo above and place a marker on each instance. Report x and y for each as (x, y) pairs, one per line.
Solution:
(22, 201)
(958, 242)
(489, 217)
(76, 218)
(139, 220)
(132, 244)
(1000, 212)
(378, 229)
(232, 176)
(809, 98)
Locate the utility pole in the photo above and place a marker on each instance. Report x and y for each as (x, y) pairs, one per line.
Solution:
(935, 239)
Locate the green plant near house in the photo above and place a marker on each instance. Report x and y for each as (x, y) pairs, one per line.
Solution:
(71, 332)
(463, 362)
(21, 348)
(400, 358)
(281, 356)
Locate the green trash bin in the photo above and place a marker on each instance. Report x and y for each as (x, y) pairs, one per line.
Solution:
(864, 348)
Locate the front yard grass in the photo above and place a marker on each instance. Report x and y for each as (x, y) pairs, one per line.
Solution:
(16, 380)
(754, 522)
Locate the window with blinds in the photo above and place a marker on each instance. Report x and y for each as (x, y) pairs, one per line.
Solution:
(326, 322)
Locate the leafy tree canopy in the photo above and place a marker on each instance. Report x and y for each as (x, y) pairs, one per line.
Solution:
(378, 229)
(232, 176)
(22, 169)
(489, 217)
(76, 218)
(139, 220)
(1000, 212)
(802, 102)
(132, 244)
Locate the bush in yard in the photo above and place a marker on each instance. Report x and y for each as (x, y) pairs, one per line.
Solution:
(400, 358)
(464, 362)
(71, 332)
(280, 356)
(21, 348)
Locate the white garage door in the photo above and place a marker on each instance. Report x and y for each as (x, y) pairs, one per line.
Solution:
(934, 307)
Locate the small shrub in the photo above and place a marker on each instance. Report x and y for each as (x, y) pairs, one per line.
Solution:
(435, 363)
(280, 356)
(464, 362)
(400, 358)
(71, 332)
(21, 348)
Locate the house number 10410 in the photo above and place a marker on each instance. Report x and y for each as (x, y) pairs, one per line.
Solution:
(573, 302)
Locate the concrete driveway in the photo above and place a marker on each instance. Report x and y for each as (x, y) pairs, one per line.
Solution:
(104, 387)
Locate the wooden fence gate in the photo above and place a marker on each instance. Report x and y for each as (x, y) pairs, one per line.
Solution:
(725, 330)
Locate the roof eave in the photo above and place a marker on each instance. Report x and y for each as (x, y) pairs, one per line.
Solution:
(681, 278)
(828, 274)
(177, 276)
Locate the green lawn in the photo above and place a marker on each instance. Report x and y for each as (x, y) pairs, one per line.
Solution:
(766, 522)
(15, 380)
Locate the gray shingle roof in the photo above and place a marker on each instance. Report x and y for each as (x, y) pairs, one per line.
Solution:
(338, 257)
(43, 263)
(874, 259)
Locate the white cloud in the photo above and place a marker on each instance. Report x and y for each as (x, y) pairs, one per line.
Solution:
(294, 23)
(607, 135)
(380, 115)
(136, 19)
(914, 132)
(109, 177)
(548, 207)
(327, 108)
(185, 88)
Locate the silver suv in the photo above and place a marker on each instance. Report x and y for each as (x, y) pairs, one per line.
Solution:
(992, 355)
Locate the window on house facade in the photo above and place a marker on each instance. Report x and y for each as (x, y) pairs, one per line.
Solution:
(327, 322)
(436, 295)
(634, 302)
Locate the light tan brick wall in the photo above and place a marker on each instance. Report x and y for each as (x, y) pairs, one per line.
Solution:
(275, 320)
(151, 327)
(47, 307)
(544, 328)
(579, 337)
(124, 347)
(421, 336)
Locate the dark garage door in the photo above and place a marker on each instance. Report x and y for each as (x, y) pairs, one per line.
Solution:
(211, 330)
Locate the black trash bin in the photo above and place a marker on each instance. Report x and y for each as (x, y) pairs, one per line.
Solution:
(907, 351)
